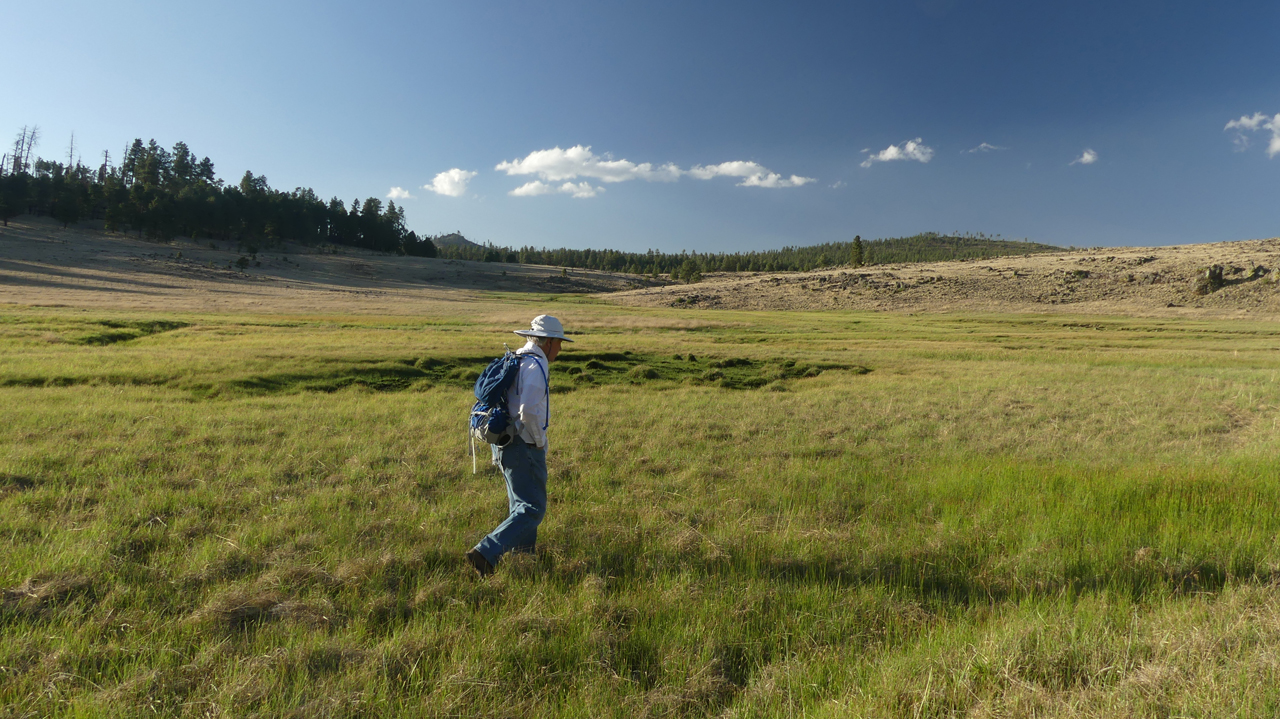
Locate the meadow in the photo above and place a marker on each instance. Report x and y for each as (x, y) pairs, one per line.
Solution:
(751, 514)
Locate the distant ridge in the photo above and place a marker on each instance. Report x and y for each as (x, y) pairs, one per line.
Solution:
(454, 239)
(690, 265)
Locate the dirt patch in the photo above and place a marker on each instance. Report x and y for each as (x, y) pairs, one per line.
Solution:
(1225, 278)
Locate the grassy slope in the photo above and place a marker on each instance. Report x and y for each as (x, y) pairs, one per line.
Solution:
(252, 516)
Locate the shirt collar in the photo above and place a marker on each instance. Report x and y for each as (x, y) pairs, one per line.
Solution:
(530, 347)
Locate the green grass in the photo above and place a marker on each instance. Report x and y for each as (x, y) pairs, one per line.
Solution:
(751, 514)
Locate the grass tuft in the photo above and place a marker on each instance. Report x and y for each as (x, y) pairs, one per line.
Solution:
(42, 595)
(643, 372)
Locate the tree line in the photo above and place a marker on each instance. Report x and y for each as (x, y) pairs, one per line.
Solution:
(163, 194)
(690, 266)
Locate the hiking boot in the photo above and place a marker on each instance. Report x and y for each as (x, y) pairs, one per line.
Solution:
(479, 563)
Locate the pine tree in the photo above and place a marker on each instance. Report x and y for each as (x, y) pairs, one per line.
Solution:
(13, 195)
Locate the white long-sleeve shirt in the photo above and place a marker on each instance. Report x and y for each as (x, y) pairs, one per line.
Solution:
(528, 398)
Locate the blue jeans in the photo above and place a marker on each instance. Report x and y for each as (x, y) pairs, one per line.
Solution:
(525, 469)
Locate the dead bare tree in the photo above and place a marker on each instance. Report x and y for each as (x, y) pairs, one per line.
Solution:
(33, 139)
(19, 143)
(23, 146)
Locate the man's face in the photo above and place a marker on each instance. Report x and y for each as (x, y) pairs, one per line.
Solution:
(552, 349)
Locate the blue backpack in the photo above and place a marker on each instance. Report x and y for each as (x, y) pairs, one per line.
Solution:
(490, 421)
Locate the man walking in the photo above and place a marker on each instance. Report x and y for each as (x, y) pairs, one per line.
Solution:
(524, 459)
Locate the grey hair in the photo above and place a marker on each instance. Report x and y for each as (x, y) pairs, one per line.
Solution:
(540, 341)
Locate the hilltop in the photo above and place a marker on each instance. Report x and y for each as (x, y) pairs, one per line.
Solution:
(455, 239)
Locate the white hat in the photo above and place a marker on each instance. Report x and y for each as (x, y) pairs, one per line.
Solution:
(545, 326)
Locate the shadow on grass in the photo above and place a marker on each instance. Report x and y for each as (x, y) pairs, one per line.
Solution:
(15, 483)
(379, 375)
(725, 372)
(40, 597)
(928, 577)
(571, 372)
(385, 378)
(124, 331)
(938, 577)
(106, 380)
(581, 369)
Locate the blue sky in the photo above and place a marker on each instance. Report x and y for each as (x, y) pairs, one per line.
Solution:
(711, 126)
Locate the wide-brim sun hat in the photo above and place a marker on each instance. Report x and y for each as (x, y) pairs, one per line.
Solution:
(545, 326)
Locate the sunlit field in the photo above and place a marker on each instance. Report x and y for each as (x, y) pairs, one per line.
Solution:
(751, 514)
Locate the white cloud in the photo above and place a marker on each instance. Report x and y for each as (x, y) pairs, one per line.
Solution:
(1253, 123)
(837, 185)
(1087, 158)
(753, 174)
(909, 150)
(538, 187)
(556, 165)
(399, 193)
(986, 147)
(451, 183)
(578, 161)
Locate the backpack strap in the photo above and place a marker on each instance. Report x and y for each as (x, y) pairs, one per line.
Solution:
(546, 383)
